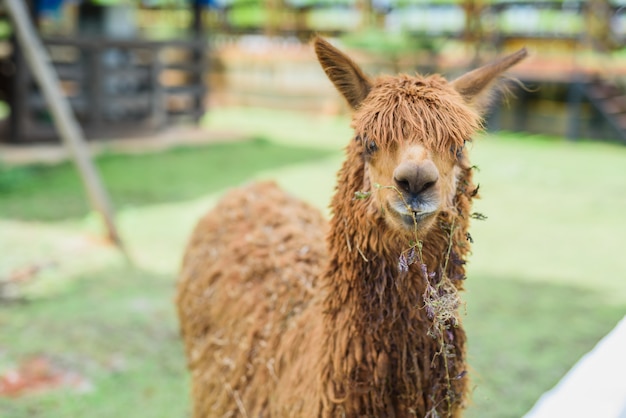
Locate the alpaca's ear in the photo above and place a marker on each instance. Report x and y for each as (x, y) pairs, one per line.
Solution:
(347, 77)
(477, 85)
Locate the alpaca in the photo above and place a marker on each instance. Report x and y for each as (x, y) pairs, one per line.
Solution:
(278, 322)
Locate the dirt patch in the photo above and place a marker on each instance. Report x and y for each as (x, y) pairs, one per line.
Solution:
(39, 374)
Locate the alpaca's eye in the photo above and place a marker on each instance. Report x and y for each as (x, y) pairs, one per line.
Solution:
(458, 151)
(370, 146)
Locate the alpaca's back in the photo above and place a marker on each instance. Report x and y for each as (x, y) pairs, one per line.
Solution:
(249, 270)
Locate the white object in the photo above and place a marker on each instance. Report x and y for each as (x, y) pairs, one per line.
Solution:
(594, 387)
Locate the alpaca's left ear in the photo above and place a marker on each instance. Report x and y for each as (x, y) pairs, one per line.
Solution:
(477, 85)
(345, 74)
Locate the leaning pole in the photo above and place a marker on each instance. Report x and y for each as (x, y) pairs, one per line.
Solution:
(64, 120)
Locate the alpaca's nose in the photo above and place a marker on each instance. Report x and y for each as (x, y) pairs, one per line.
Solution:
(415, 178)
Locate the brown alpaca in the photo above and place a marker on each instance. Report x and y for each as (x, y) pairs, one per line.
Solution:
(278, 323)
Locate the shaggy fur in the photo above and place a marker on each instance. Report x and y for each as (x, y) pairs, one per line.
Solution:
(279, 323)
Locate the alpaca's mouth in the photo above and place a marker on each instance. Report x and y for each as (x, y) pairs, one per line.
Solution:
(411, 217)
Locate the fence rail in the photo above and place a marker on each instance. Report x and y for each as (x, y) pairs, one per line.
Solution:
(116, 86)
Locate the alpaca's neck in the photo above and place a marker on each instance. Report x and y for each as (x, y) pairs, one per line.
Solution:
(380, 345)
(364, 275)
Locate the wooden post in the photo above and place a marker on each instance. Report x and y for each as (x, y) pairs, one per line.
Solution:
(199, 60)
(273, 9)
(19, 91)
(574, 109)
(158, 112)
(367, 10)
(69, 130)
(472, 31)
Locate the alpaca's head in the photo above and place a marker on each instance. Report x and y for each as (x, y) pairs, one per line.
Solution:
(410, 131)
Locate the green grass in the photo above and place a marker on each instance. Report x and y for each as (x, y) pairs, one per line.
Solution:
(544, 282)
(523, 337)
(115, 327)
(545, 277)
(55, 192)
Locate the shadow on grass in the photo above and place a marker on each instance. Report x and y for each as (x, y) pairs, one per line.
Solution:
(50, 193)
(524, 336)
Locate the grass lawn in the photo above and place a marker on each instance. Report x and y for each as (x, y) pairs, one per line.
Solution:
(49, 193)
(546, 279)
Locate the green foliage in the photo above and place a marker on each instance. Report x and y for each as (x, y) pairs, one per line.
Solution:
(249, 16)
(5, 29)
(386, 43)
(5, 110)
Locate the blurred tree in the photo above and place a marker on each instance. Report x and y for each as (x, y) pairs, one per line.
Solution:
(599, 29)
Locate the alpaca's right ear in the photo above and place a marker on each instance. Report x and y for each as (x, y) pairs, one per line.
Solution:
(477, 85)
(345, 74)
